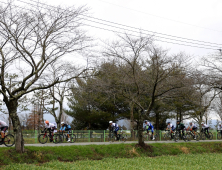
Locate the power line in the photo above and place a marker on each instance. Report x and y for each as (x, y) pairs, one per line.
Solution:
(134, 31)
(161, 17)
(129, 26)
(152, 35)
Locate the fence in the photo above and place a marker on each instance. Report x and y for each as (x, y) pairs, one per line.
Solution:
(31, 136)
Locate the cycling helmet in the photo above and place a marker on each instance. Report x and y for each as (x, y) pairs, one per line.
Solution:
(110, 121)
(178, 121)
(202, 123)
(220, 124)
(62, 123)
(168, 122)
(46, 121)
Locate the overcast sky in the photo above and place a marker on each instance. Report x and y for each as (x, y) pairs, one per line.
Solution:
(191, 19)
(198, 20)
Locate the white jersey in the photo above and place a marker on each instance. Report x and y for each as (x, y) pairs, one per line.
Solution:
(114, 125)
(170, 126)
(2, 124)
(204, 126)
(51, 125)
(219, 127)
(192, 125)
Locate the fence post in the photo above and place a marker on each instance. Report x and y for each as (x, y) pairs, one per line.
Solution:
(216, 134)
(160, 134)
(89, 135)
(104, 135)
(36, 136)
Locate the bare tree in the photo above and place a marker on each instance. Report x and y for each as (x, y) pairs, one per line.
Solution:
(30, 42)
(146, 71)
(203, 96)
(218, 106)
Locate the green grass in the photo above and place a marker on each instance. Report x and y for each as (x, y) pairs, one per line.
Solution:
(39, 155)
(183, 161)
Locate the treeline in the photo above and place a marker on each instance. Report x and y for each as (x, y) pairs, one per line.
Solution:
(138, 80)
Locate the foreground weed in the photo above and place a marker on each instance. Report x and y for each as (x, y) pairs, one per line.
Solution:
(183, 161)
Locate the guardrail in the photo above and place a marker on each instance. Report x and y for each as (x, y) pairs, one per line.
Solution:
(31, 136)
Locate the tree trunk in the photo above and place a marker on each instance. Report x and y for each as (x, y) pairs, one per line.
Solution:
(19, 141)
(132, 120)
(140, 130)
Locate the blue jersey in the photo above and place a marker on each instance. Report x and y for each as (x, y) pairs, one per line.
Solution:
(65, 127)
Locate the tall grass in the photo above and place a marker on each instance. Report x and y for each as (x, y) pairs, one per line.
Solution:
(182, 162)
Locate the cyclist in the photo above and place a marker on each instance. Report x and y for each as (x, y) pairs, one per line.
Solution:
(170, 127)
(220, 128)
(50, 127)
(180, 127)
(193, 127)
(114, 128)
(205, 128)
(65, 127)
(149, 126)
(3, 128)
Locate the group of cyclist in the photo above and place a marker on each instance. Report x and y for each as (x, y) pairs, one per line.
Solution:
(51, 127)
(192, 127)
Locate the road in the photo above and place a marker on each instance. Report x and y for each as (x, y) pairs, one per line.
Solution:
(108, 143)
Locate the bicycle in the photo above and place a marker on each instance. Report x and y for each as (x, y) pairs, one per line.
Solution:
(64, 137)
(205, 135)
(179, 135)
(113, 137)
(219, 134)
(148, 136)
(190, 135)
(43, 138)
(8, 140)
(167, 135)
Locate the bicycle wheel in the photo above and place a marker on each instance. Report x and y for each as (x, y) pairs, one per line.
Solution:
(203, 136)
(56, 138)
(43, 138)
(111, 138)
(184, 138)
(176, 137)
(146, 137)
(72, 138)
(156, 137)
(166, 136)
(123, 138)
(197, 136)
(219, 136)
(210, 136)
(9, 140)
(189, 136)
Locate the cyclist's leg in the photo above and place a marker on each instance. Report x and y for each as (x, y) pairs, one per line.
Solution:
(172, 131)
(115, 133)
(2, 133)
(68, 131)
(50, 134)
(152, 130)
(3, 130)
(116, 130)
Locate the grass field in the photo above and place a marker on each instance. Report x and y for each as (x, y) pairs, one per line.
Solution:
(183, 161)
(163, 154)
